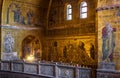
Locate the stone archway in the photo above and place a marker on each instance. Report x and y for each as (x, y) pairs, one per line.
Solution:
(31, 45)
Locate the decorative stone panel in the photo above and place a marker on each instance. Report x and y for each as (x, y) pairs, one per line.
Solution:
(30, 68)
(17, 67)
(47, 70)
(65, 72)
(84, 73)
(5, 66)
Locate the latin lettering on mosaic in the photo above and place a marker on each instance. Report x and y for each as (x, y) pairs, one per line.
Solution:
(108, 42)
(8, 42)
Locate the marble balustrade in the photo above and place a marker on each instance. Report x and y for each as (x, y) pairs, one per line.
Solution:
(46, 69)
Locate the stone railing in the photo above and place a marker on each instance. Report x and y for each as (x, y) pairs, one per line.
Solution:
(107, 70)
(101, 73)
(46, 69)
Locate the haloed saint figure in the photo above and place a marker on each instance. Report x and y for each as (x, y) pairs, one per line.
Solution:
(108, 42)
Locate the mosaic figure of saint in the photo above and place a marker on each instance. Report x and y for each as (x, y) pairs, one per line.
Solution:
(8, 43)
(70, 53)
(108, 42)
(83, 57)
(65, 52)
(17, 15)
(29, 16)
(92, 51)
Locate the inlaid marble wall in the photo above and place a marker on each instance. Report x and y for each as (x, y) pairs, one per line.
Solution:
(109, 13)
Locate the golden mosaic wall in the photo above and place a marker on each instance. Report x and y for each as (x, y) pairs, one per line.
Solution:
(19, 35)
(57, 16)
(20, 19)
(109, 12)
(103, 3)
(22, 13)
(78, 50)
(69, 41)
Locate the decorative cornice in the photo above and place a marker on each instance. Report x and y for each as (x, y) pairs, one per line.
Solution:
(71, 26)
(21, 27)
(108, 7)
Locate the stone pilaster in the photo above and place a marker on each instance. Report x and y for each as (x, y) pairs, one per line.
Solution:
(108, 11)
